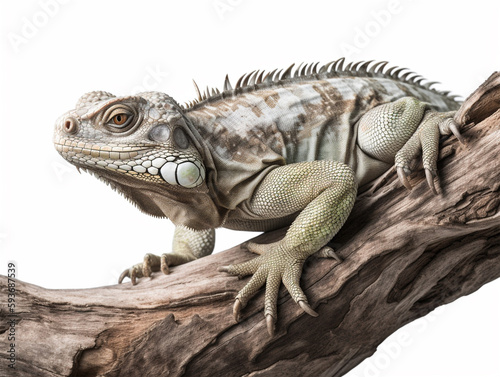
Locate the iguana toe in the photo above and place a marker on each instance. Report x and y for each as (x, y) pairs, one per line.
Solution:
(252, 287)
(134, 275)
(150, 260)
(429, 175)
(242, 269)
(164, 264)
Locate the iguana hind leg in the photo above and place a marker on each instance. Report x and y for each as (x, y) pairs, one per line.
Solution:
(399, 131)
(187, 245)
(322, 193)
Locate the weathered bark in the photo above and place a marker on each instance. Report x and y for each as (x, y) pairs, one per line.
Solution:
(405, 253)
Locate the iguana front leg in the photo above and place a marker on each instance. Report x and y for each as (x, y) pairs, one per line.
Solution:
(187, 245)
(323, 194)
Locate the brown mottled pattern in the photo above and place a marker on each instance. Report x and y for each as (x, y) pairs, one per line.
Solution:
(299, 120)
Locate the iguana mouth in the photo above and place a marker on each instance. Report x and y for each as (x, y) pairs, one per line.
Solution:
(109, 152)
(176, 169)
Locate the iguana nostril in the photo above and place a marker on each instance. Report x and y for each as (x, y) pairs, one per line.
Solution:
(70, 125)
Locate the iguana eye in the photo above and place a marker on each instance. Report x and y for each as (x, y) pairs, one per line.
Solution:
(120, 119)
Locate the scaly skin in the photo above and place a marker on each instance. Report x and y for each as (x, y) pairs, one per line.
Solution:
(188, 245)
(274, 151)
(322, 192)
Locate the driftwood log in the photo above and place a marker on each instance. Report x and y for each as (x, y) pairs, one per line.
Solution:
(405, 253)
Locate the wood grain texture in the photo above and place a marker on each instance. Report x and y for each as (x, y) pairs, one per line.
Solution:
(405, 253)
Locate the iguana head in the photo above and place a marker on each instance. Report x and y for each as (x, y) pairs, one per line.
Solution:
(143, 137)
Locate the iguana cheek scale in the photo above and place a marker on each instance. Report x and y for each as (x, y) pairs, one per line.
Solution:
(287, 148)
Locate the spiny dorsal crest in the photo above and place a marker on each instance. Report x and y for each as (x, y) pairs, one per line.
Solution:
(304, 72)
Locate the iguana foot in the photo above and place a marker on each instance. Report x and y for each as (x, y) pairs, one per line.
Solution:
(153, 263)
(397, 132)
(426, 141)
(187, 245)
(138, 270)
(271, 268)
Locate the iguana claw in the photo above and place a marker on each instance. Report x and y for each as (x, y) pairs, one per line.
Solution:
(237, 309)
(271, 324)
(307, 308)
(123, 275)
(454, 129)
(429, 175)
(328, 252)
(403, 178)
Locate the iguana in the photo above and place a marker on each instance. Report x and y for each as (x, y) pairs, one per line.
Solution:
(287, 148)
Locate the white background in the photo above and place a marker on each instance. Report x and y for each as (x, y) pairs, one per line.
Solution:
(67, 230)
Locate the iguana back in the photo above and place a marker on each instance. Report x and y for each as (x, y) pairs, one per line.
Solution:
(301, 115)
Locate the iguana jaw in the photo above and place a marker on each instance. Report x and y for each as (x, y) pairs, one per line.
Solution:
(145, 162)
(70, 148)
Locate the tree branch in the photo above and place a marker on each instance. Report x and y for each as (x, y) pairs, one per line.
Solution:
(404, 255)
